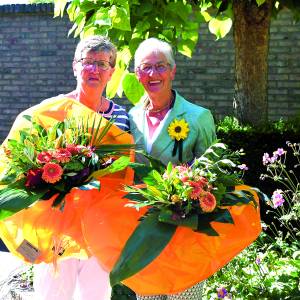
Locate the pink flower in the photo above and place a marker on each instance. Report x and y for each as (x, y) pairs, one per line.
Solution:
(62, 155)
(73, 149)
(277, 198)
(44, 157)
(208, 202)
(279, 152)
(243, 167)
(266, 158)
(196, 191)
(184, 173)
(52, 172)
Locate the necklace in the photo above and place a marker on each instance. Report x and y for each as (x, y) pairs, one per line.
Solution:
(160, 109)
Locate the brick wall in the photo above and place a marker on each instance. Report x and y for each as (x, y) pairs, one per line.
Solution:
(36, 58)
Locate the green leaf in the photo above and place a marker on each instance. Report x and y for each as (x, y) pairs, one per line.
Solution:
(120, 18)
(168, 216)
(15, 197)
(140, 170)
(115, 83)
(135, 197)
(133, 89)
(237, 198)
(118, 165)
(146, 242)
(260, 2)
(220, 26)
(204, 220)
(154, 163)
(186, 47)
(59, 7)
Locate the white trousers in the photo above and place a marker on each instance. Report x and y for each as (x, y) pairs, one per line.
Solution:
(75, 279)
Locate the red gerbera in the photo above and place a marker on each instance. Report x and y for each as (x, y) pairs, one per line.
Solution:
(44, 157)
(62, 155)
(52, 172)
(208, 202)
(196, 191)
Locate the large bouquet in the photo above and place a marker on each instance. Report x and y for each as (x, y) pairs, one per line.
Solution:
(189, 222)
(52, 168)
(196, 197)
(51, 161)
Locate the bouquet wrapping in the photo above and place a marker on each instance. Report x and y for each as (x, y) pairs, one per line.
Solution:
(43, 222)
(178, 235)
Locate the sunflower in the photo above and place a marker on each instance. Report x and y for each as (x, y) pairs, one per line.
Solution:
(178, 129)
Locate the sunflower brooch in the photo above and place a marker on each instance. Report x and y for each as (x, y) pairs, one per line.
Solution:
(178, 131)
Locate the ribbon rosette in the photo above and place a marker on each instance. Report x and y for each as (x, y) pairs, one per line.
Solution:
(178, 131)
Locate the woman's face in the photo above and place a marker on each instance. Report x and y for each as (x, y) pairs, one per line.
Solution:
(93, 70)
(155, 74)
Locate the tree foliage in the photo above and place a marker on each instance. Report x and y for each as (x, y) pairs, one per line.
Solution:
(127, 23)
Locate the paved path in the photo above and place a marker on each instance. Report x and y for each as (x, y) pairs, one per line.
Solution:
(12, 284)
(8, 264)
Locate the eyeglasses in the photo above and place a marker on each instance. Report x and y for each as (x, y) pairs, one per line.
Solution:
(89, 63)
(159, 68)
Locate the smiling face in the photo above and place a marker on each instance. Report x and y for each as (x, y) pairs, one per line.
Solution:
(90, 72)
(156, 74)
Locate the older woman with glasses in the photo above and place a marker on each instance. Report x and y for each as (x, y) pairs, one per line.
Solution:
(165, 125)
(93, 66)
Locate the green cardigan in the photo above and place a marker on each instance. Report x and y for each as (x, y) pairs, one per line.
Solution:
(200, 136)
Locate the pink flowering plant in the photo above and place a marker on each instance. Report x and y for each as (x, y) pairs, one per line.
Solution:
(285, 200)
(47, 162)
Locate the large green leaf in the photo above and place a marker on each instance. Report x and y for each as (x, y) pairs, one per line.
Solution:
(204, 220)
(132, 88)
(220, 26)
(118, 165)
(120, 18)
(168, 216)
(14, 198)
(237, 198)
(144, 245)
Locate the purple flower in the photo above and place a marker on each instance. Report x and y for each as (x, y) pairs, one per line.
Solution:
(34, 178)
(279, 152)
(266, 158)
(277, 198)
(222, 292)
(80, 176)
(243, 167)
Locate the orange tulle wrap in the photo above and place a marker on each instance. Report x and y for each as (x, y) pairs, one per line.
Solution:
(57, 234)
(189, 258)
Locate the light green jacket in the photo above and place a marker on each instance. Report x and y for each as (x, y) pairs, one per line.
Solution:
(200, 136)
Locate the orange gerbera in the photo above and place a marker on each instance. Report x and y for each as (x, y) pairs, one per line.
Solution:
(208, 202)
(52, 172)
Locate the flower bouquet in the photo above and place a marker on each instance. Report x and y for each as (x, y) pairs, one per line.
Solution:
(47, 162)
(53, 166)
(187, 208)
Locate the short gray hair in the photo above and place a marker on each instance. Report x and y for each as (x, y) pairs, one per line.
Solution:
(154, 45)
(96, 43)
